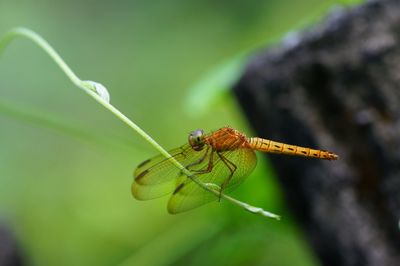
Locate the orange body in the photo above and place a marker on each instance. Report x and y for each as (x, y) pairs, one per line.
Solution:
(228, 138)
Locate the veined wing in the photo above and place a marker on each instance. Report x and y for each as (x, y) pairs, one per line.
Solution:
(157, 176)
(189, 195)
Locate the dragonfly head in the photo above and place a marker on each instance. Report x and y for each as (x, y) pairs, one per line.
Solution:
(196, 140)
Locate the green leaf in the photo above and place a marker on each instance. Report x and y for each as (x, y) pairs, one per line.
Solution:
(214, 85)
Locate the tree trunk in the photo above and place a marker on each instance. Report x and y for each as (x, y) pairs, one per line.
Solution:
(337, 87)
(10, 254)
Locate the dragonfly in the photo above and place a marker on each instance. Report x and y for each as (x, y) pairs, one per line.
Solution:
(221, 159)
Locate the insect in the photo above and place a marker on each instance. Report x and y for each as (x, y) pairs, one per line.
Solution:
(221, 159)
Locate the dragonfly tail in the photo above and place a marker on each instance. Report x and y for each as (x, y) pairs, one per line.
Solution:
(270, 146)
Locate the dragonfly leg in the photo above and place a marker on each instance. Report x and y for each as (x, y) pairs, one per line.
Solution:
(210, 165)
(199, 161)
(209, 168)
(232, 168)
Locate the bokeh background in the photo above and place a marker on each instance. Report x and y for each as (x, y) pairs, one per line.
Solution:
(66, 163)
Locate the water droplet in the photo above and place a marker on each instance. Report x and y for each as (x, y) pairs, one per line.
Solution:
(100, 90)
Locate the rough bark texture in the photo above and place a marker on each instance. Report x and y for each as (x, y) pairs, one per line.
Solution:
(337, 87)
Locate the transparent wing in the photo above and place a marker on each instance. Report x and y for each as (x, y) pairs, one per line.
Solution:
(189, 195)
(157, 176)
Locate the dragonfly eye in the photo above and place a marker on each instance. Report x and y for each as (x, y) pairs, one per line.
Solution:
(196, 140)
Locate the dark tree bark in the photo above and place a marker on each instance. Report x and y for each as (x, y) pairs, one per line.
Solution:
(10, 254)
(337, 87)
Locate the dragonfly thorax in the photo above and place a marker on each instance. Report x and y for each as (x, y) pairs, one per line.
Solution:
(226, 139)
(197, 140)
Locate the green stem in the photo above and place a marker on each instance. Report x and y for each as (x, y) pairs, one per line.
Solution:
(91, 89)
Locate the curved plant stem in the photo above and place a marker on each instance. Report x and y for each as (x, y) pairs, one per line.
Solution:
(90, 88)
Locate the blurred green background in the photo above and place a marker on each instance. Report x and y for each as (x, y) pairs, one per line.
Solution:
(66, 163)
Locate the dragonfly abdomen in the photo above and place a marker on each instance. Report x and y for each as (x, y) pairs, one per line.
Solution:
(270, 146)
